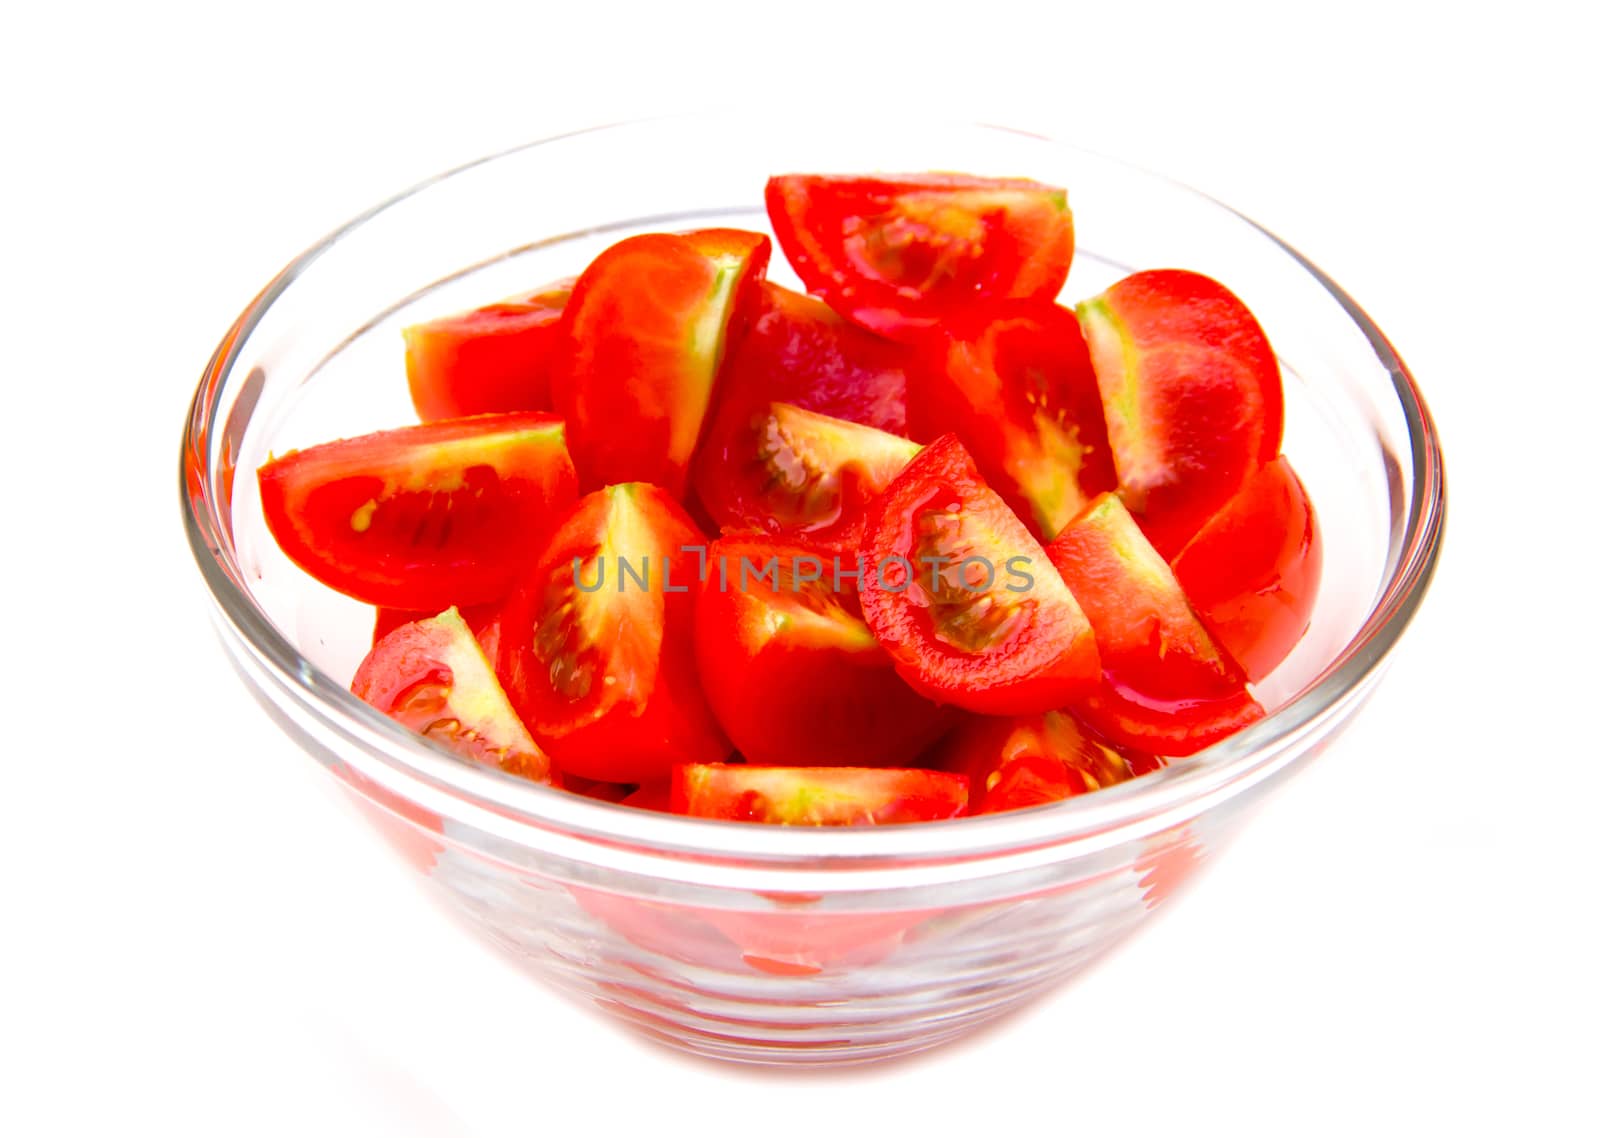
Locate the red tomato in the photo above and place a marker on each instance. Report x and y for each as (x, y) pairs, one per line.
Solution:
(803, 942)
(817, 796)
(1168, 689)
(651, 796)
(964, 598)
(792, 671)
(798, 350)
(590, 788)
(494, 358)
(1014, 382)
(1193, 398)
(785, 470)
(597, 641)
(433, 677)
(1253, 570)
(422, 517)
(482, 619)
(897, 254)
(1033, 759)
(645, 334)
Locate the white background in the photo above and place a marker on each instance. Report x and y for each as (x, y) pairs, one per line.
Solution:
(197, 939)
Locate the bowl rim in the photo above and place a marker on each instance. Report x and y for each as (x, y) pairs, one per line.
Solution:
(425, 770)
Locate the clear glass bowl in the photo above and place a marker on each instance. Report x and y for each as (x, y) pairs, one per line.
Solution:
(771, 944)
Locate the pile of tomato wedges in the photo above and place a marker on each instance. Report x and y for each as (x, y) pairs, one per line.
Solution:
(917, 544)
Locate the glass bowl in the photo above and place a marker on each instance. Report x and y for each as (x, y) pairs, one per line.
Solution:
(774, 944)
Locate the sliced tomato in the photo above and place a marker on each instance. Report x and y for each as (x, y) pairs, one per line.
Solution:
(1168, 688)
(645, 334)
(597, 641)
(493, 359)
(433, 677)
(1013, 380)
(786, 470)
(1253, 570)
(801, 941)
(651, 796)
(902, 253)
(817, 796)
(798, 350)
(792, 671)
(484, 620)
(1033, 759)
(422, 517)
(1192, 393)
(963, 597)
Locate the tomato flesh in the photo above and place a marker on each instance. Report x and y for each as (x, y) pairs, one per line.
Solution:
(597, 641)
(1168, 688)
(798, 350)
(423, 517)
(900, 254)
(793, 673)
(644, 337)
(493, 359)
(1013, 381)
(817, 796)
(432, 675)
(1032, 760)
(484, 620)
(1192, 394)
(786, 470)
(963, 597)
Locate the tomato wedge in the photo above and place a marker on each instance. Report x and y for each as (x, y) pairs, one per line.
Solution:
(899, 254)
(493, 359)
(786, 470)
(433, 677)
(1013, 380)
(423, 517)
(1168, 688)
(792, 671)
(798, 350)
(963, 597)
(597, 641)
(1253, 571)
(645, 335)
(1031, 760)
(484, 620)
(1193, 398)
(817, 796)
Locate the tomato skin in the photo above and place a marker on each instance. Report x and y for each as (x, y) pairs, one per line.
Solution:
(798, 350)
(422, 517)
(1192, 393)
(817, 796)
(1014, 382)
(1168, 688)
(651, 796)
(643, 340)
(900, 254)
(784, 470)
(1031, 760)
(493, 359)
(606, 678)
(1041, 654)
(432, 676)
(1253, 570)
(792, 672)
